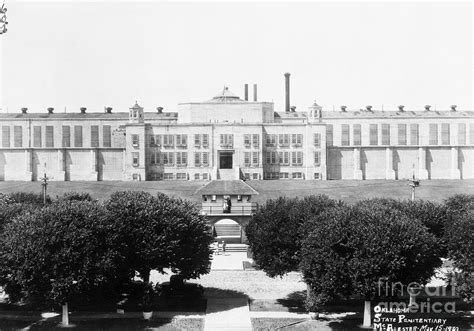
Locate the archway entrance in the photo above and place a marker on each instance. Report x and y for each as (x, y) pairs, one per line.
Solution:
(228, 230)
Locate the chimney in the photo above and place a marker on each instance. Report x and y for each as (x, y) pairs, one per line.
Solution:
(83, 110)
(160, 110)
(369, 108)
(255, 92)
(293, 109)
(287, 92)
(427, 107)
(24, 110)
(343, 108)
(400, 107)
(246, 92)
(453, 107)
(108, 110)
(50, 110)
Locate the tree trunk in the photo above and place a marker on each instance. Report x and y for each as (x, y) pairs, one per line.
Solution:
(145, 273)
(65, 321)
(367, 315)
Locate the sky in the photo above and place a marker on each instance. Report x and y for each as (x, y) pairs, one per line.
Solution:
(74, 54)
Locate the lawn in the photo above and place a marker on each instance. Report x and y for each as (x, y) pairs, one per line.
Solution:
(348, 190)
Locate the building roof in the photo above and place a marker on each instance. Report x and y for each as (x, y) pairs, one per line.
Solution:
(78, 115)
(226, 187)
(395, 114)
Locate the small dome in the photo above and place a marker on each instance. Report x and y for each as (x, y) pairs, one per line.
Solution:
(226, 96)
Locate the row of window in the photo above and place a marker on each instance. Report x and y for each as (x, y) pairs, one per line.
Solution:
(247, 175)
(437, 134)
(201, 159)
(49, 136)
(177, 176)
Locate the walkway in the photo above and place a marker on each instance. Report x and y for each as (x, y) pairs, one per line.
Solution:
(230, 314)
(229, 261)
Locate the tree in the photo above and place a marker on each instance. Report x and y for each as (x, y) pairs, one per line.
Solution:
(55, 254)
(274, 232)
(348, 250)
(157, 232)
(460, 243)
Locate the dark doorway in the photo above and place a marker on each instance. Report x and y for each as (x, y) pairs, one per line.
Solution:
(225, 160)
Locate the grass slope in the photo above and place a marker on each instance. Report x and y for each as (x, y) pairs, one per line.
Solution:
(348, 190)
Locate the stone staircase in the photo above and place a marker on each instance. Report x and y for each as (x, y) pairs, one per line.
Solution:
(226, 174)
(236, 248)
(230, 233)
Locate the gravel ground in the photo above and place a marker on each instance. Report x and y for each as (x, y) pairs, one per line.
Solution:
(254, 284)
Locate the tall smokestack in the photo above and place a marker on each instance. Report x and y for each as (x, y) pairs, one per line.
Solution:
(246, 92)
(287, 92)
(255, 92)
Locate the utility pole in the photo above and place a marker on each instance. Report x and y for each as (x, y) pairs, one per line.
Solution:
(44, 183)
(414, 183)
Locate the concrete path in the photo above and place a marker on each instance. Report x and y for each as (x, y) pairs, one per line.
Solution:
(229, 261)
(230, 314)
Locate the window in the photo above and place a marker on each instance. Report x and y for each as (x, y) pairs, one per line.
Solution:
(414, 135)
(402, 134)
(66, 136)
(373, 135)
(256, 141)
(182, 140)
(95, 136)
(283, 175)
(18, 136)
(247, 159)
(272, 175)
(78, 136)
(317, 140)
(168, 140)
(136, 176)
(168, 158)
(49, 136)
(296, 140)
(197, 159)
(181, 176)
(271, 157)
(284, 140)
(329, 135)
(296, 158)
(181, 159)
(471, 133)
(197, 141)
(157, 176)
(205, 176)
(445, 134)
(247, 142)
(168, 176)
(284, 158)
(37, 136)
(385, 134)
(433, 134)
(296, 175)
(255, 176)
(317, 175)
(317, 158)
(271, 140)
(155, 157)
(135, 159)
(462, 133)
(247, 176)
(196, 176)
(227, 140)
(106, 136)
(5, 136)
(205, 159)
(356, 132)
(345, 135)
(135, 140)
(205, 140)
(213, 198)
(239, 198)
(255, 158)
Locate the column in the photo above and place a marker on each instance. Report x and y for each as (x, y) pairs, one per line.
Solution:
(455, 172)
(389, 172)
(357, 168)
(423, 172)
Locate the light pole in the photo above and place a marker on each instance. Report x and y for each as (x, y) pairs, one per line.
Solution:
(414, 183)
(44, 183)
